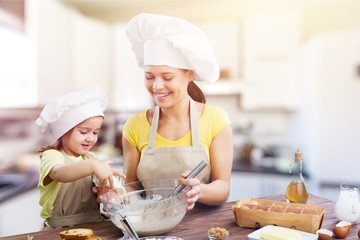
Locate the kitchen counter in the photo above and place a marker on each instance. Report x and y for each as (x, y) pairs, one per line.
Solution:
(197, 222)
(13, 183)
(20, 176)
(240, 166)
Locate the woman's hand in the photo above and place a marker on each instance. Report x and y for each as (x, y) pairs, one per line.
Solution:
(193, 194)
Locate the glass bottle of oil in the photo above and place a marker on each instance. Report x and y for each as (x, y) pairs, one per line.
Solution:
(296, 190)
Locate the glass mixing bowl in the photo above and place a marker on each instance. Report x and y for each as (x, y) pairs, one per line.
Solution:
(148, 206)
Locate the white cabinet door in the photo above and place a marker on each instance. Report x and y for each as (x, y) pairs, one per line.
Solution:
(51, 33)
(90, 53)
(128, 87)
(72, 50)
(270, 65)
(243, 185)
(20, 214)
(273, 184)
(225, 41)
(254, 185)
(330, 116)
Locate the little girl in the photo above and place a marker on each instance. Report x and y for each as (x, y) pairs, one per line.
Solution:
(67, 166)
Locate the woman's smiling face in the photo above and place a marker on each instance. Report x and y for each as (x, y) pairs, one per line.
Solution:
(167, 85)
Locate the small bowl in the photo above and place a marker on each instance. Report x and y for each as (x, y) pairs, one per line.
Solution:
(211, 237)
(218, 233)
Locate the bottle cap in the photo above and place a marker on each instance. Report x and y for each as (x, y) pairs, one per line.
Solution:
(298, 156)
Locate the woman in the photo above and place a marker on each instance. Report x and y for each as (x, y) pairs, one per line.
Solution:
(170, 139)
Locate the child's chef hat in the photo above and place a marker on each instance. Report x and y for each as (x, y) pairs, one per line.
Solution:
(164, 40)
(65, 112)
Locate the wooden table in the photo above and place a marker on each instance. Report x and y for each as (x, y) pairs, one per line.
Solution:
(197, 222)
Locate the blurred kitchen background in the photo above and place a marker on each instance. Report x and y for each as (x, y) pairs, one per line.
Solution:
(290, 78)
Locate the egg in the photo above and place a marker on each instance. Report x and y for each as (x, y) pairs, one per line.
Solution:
(244, 207)
(341, 232)
(262, 207)
(309, 211)
(277, 208)
(344, 224)
(293, 209)
(324, 234)
(251, 204)
(254, 202)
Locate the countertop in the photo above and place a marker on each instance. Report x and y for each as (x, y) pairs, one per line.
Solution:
(197, 222)
(20, 176)
(241, 166)
(14, 182)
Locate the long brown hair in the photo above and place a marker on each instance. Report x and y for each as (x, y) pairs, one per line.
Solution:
(195, 92)
(56, 146)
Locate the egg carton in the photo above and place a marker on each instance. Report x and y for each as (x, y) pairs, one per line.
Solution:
(256, 213)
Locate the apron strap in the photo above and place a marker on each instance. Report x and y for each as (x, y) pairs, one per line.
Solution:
(153, 128)
(194, 125)
(195, 131)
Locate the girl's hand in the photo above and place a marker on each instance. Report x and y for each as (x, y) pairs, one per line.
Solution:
(105, 173)
(100, 190)
(193, 194)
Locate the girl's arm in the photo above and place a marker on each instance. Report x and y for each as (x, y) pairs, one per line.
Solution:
(69, 172)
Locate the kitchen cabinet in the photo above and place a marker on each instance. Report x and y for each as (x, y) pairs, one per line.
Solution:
(72, 50)
(224, 37)
(128, 87)
(90, 53)
(253, 185)
(77, 51)
(271, 46)
(330, 107)
(256, 52)
(20, 214)
(226, 41)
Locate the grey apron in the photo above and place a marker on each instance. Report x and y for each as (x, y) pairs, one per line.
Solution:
(170, 162)
(75, 204)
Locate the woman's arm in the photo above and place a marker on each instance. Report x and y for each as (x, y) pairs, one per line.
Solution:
(221, 157)
(131, 157)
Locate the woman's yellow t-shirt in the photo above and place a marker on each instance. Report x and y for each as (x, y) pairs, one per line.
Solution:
(212, 121)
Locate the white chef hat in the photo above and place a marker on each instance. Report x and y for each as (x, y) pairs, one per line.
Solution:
(65, 112)
(164, 40)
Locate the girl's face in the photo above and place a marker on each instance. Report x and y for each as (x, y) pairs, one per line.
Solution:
(81, 138)
(167, 85)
